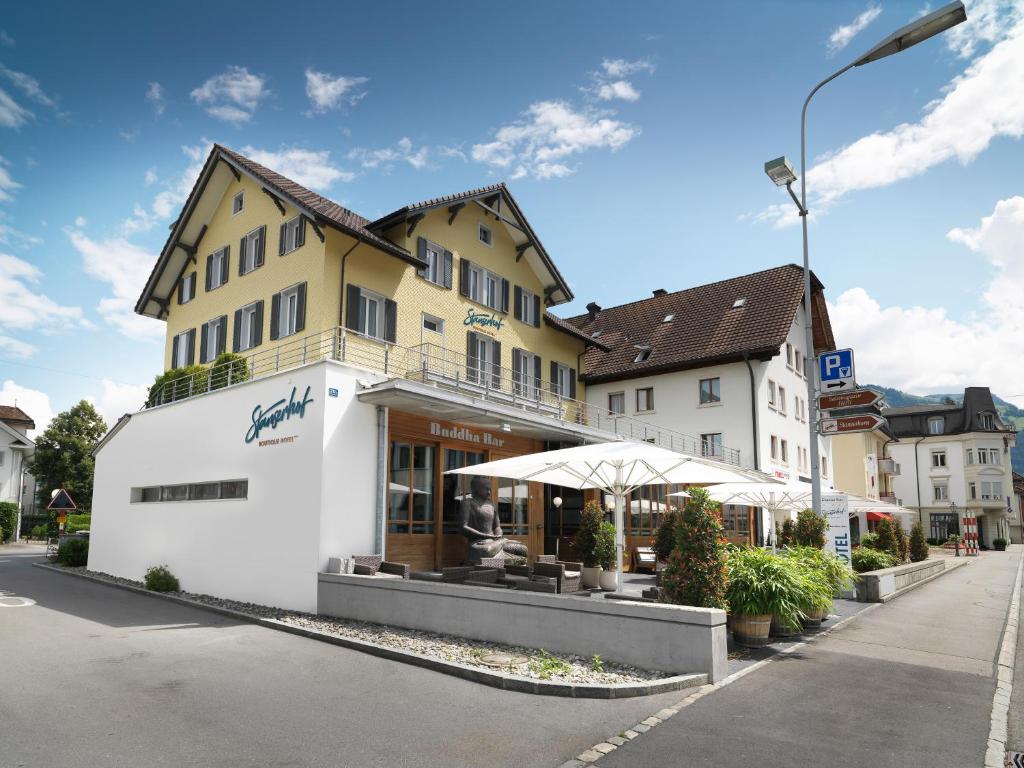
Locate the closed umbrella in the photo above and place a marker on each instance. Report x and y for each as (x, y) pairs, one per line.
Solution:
(616, 468)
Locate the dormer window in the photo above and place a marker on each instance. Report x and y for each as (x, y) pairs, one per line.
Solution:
(986, 421)
(643, 354)
(669, 318)
(486, 236)
(739, 303)
(936, 425)
(595, 334)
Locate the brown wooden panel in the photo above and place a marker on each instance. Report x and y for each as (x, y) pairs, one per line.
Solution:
(416, 549)
(481, 439)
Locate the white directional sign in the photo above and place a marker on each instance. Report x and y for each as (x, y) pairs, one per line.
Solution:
(862, 422)
(835, 371)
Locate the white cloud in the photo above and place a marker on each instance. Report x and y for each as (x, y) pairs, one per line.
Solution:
(327, 92)
(7, 184)
(983, 103)
(841, 36)
(29, 86)
(619, 89)
(923, 349)
(151, 177)
(548, 135)
(33, 402)
(622, 68)
(129, 135)
(118, 399)
(987, 22)
(12, 114)
(80, 221)
(24, 307)
(402, 152)
(311, 168)
(125, 267)
(233, 95)
(173, 194)
(6, 40)
(11, 236)
(156, 99)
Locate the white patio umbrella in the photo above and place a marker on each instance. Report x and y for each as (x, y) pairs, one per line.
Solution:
(616, 468)
(771, 497)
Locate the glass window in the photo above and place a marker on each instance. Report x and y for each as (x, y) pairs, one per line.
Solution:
(936, 425)
(771, 394)
(941, 492)
(526, 306)
(514, 506)
(711, 444)
(411, 488)
(248, 328)
(645, 399)
(150, 494)
(288, 322)
(973, 490)
(292, 234)
(204, 491)
(645, 507)
(237, 203)
(775, 447)
(523, 378)
(616, 403)
(181, 359)
(251, 250)
(218, 268)
(782, 401)
(486, 236)
(784, 451)
(435, 264)
(213, 330)
(986, 421)
(736, 521)
(174, 493)
(188, 288)
(938, 458)
(234, 489)
(485, 287)
(970, 456)
(456, 487)
(824, 466)
(710, 391)
(943, 524)
(433, 324)
(789, 354)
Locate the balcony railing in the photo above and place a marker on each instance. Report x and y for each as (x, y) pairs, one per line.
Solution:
(436, 366)
(888, 467)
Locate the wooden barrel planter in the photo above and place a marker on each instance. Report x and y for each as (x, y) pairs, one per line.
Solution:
(751, 631)
(813, 619)
(777, 630)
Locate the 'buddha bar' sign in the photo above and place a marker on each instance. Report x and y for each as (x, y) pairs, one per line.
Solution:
(462, 433)
(272, 415)
(483, 320)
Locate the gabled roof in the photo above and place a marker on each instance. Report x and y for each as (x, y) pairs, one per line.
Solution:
(706, 325)
(18, 440)
(491, 198)
(912, 420)
(221, 165)
(561, 325)
(13, 415)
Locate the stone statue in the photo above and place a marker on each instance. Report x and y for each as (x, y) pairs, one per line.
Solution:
(481, 527)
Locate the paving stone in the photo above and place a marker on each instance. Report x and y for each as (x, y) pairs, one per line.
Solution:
(572, 764)
(630, 734)
(618, 741)
(652, 721)
(665, 714)
(641, 728)
(589, 756)
(604, 747)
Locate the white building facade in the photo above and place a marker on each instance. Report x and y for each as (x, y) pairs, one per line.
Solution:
(955, 462)
(16, 449)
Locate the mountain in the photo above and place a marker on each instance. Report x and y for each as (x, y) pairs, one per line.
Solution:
(1008, 412)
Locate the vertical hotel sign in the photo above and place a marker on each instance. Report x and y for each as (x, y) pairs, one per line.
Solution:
(272, 416)
(836, 509)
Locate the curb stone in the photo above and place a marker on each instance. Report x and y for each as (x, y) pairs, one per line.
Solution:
(464, 671)
(996, 755)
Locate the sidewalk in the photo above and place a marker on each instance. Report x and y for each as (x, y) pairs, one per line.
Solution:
(909, 683)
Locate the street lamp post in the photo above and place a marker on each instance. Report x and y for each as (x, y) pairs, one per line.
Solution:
(780, 171)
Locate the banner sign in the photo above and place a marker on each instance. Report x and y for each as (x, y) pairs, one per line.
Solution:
(835, 508)
(283, 410)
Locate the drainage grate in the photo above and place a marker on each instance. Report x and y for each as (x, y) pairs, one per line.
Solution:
(1015, 759)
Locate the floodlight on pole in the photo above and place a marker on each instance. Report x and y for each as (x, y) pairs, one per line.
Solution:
(782, 174)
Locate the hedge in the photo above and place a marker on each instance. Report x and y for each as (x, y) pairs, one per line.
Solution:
(73, 552)
(8, 520)
(179, 383)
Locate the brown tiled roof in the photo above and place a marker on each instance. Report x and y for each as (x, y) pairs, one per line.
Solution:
(565, 327)
(443, 200)
(705, 328)
(12, 414)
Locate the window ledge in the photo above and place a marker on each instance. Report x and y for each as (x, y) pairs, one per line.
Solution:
(719, 404)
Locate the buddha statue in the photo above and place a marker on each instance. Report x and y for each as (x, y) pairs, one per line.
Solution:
(481, 527)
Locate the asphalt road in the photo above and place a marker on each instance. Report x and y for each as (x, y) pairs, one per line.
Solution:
(92, 676)
(908, 684)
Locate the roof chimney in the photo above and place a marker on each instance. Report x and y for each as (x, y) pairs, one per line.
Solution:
(659, 292)
(593, 308)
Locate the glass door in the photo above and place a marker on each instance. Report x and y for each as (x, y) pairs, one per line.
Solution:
(411, 494)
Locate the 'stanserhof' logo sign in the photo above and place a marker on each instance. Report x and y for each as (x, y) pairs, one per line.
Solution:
(283, 410)
(483, 320)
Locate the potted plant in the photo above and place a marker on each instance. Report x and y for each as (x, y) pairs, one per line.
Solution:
(605, 551)
(999, 545)
(585, 543)
(695, 573)
(826, 574)
(762, 587)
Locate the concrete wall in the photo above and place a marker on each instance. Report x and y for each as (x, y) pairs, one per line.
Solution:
(310, 496)
(670, 638)
(877, 586)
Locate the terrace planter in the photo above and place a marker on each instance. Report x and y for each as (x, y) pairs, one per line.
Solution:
(609, 580)
(778, 630)
(751, 630)
(592, 576)
(813, 619)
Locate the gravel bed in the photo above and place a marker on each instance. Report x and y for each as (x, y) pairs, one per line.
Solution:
(556, 667)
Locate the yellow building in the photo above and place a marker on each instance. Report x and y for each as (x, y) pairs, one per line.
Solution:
(861, 466)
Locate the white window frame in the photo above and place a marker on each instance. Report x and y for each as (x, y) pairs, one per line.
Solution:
(649, 397)
(182, 350)
(774, 447)
(219, 268)
(772, 396)
(526, 306)
(482, 282)
(428, 318)
(291, 234)
(248, 255)
(714, 391)
(213, 329)
(824, 466)
(366, 299)
(247, 327)
(188, 281)
(238, 203)
(713, 447)
(986, 421)
(798, 365)
(288, 315)
(434, 257)
(789, 356)
(940, 492)
(782, 401)
(784, 450)
(939, 459)
(526, 385)
(969, 456)
(620, 394)
(939, 421)
(489, 242)
(993, 455)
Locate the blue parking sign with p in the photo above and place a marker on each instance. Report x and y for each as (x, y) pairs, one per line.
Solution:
(836, 366)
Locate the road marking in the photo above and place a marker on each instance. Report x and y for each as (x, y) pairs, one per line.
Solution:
(996, 755)
(13, 601)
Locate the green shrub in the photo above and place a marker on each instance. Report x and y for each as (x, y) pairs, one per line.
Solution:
(836, 571)
(73, 552)
(866, 559)
(77, 523)
(160, 579)
(177, 384)
(918, 545)
(665, 536)
(999, 545)
(891, 538)
(228, 368)
(762, 582)
(8, 520)
(40, 531)
(787, 535)
(810, 529)
(585, 543)
(696, 570)
(604, 550)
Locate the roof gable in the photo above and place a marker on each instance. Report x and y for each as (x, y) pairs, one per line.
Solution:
(497, 202)
(701, 326)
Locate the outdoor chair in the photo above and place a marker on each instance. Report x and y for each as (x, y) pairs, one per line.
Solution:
(644, 558)
(568, 576)
(376, 565)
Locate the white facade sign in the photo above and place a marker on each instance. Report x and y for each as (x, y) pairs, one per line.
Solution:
(835, 508)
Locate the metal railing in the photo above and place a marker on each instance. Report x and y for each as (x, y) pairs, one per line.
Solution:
(436, 366)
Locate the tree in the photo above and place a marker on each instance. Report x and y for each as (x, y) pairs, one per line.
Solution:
(695, 574)
(665, 536)
(786, 535)
(810, 529)
(585, 543)
(918, 544)
(63, 457)
(891, 538)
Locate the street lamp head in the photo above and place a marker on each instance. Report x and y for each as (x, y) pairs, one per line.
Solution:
(780, 171)
(913, 33)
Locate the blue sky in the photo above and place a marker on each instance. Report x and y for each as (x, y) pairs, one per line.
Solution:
(633, 135)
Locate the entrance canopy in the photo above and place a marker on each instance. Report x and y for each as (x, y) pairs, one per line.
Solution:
(617, 468)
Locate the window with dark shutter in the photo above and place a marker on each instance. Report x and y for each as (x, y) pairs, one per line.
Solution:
(352, 307)
(517, 303)
(300, 310)
(496, 364)
(390, 321)
(204, 343)
(504, 295)
(447, 269)
(222, 334)
(174, 350)
(472, 357)
(190, 358)
(464, 278)
(209, 272)
(536, 311)
(554, 377)
(236, 332)
(421, 253)
(275, 317)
